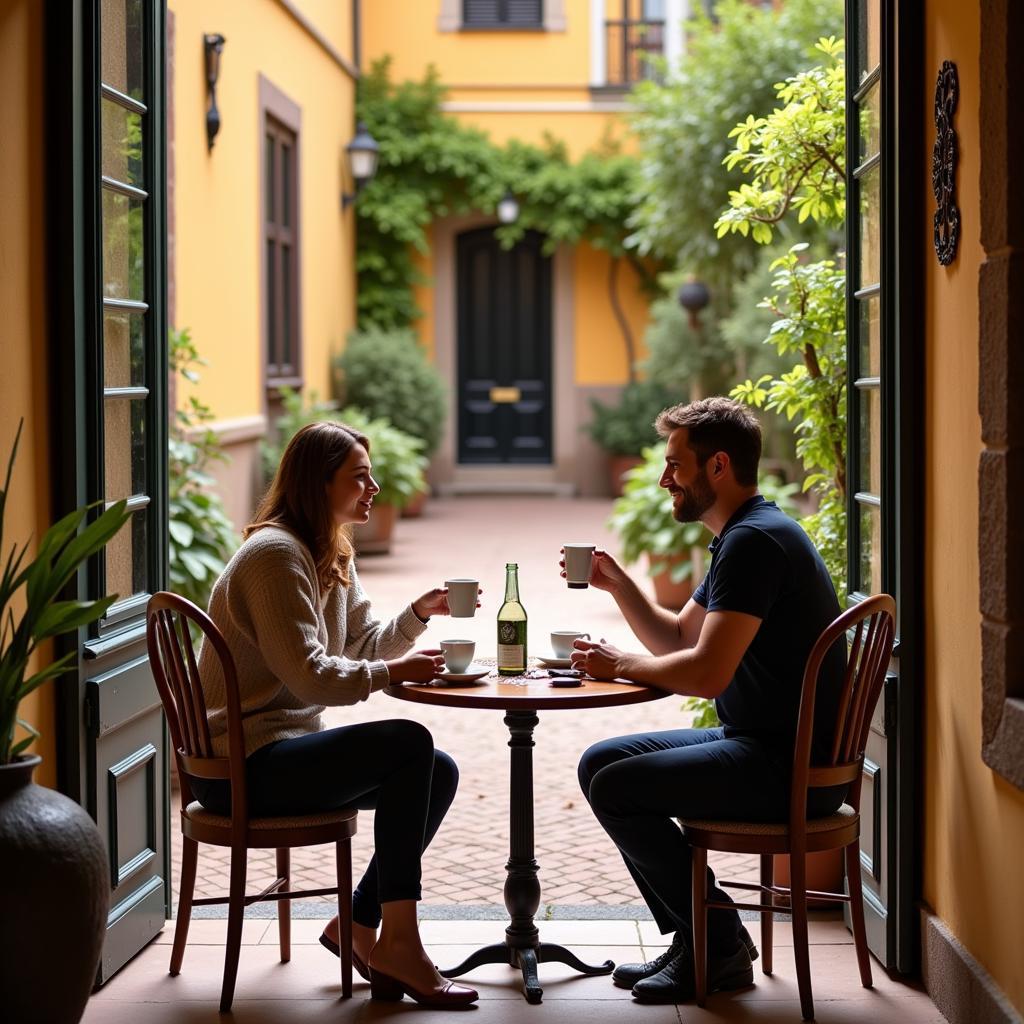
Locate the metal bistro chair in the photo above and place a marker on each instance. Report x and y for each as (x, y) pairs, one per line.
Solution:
(873, 622)
(177, 678)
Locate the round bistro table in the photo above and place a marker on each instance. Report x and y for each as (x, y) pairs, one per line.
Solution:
(521, 698)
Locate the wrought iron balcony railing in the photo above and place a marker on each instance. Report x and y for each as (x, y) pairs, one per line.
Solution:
(628, 44)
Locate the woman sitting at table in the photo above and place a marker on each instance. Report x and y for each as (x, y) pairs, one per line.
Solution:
(300, 629)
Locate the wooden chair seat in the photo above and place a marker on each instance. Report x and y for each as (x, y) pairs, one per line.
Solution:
(269, 833)
(772, 837)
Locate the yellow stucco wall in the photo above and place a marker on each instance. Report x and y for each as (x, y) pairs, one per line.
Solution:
(974, 821)
(23, 383)
(218, 230)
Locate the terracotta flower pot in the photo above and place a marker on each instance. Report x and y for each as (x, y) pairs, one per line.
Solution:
(374, 536)
(55, 891)
(618, 466)
(824, 873)
(415, 507)
(666, 593)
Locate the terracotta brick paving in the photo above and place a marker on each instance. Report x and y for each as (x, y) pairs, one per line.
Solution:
(475, 536)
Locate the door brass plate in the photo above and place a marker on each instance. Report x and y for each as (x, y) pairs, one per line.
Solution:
(503, 396)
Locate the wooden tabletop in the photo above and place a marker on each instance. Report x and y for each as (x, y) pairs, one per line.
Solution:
(521, 694)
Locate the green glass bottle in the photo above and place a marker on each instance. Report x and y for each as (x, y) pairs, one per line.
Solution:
(511, 627)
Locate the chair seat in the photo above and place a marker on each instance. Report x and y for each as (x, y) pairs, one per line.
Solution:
(770, 836)
(306, 829)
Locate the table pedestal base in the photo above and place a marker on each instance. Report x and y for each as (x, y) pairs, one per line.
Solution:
(527, 960)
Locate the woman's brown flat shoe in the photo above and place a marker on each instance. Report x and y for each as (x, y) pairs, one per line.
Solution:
(357, 961)
(449, 996)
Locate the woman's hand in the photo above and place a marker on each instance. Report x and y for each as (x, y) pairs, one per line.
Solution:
(600, 660)
(418, 667)
(605, 572)
(434, 602)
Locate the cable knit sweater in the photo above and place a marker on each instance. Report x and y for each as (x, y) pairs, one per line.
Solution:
(295, 651)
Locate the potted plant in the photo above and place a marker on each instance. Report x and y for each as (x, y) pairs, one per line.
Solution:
(56, 874)
(626, 429)
(642, 518)
(386, 374)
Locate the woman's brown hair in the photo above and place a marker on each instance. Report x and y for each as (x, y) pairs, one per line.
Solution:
(297, 499)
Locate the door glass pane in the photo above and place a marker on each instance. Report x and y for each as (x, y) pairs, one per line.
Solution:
(124, 349)
(870, 562)
(869, 35)
(122, 144)
(870, 227)
(870, 478)
(124, 447)
(286, 313)
(126, 558)
(870, 337)
(121, 31)
(123, 264)
(870, 119)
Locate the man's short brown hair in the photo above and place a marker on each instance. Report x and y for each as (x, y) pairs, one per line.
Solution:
(718, 425)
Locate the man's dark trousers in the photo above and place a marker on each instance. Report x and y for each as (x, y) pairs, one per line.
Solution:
(637, 785)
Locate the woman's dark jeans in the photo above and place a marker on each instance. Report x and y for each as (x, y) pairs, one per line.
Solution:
(636, 785)
(389, 767)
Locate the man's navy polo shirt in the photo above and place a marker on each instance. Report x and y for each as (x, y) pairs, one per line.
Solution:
(763, 564)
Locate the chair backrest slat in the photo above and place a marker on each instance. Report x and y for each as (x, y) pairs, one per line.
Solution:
(873, 622)
(176, 671)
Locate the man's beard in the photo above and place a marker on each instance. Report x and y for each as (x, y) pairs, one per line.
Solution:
(696, 500)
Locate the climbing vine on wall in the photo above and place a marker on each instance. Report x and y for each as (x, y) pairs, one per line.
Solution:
(432, 166)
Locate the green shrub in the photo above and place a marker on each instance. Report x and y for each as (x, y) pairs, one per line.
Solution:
(397, 457)
(201, 537)
(386, 374)
(628, 428)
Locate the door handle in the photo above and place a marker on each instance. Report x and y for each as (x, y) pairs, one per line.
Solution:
(505, 396)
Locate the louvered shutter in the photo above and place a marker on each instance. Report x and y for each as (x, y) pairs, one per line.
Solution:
(484, 13)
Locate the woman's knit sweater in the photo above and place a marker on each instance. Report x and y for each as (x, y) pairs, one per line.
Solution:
(294, 651)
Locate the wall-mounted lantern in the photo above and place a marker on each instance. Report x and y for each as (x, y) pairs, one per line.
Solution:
(213, 47)
(694, 296)
(363, 153)
(508, 208)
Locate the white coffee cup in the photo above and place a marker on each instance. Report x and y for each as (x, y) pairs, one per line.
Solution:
(458, 654)
(562, 641)
(578, 562)
(462, 595)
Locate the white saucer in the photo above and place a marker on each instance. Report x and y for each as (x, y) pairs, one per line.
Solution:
(550, 661)
(473, 673)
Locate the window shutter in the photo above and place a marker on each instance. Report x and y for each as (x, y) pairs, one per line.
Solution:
(489, 13)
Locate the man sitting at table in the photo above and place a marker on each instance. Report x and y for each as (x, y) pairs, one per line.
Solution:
(742, 640)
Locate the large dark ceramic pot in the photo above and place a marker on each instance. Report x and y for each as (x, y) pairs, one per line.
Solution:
(54, 892)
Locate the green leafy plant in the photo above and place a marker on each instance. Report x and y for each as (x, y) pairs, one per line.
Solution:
(386, 374)
(201, 536)
(36, 585)
(628, 427)
(398, 460)
(705, 715)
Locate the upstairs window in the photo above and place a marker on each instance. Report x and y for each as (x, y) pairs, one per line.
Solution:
(503, 14)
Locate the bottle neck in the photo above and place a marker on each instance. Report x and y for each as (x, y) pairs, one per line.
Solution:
(512, 584)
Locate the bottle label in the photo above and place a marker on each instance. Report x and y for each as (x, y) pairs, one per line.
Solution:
(511, 656)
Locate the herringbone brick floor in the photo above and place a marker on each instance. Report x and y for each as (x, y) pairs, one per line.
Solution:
(471, 536)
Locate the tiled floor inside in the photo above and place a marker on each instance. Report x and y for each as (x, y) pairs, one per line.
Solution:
(308, 988)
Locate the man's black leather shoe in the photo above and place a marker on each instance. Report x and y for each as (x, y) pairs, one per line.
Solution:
(627, 975)
(674, 983)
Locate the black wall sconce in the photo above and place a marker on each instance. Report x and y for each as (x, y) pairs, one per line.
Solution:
(213, 47)
(694, 296)
(362, 153)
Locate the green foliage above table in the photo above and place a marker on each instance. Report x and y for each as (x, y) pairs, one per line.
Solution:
(627, 428)
(431, 165)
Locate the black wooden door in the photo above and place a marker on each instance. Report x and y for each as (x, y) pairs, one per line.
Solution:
(504, 350)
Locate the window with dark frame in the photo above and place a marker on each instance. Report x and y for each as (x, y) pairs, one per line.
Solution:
(281, 243)
(503, 13)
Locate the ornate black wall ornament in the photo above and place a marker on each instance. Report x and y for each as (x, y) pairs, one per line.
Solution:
(944, 157)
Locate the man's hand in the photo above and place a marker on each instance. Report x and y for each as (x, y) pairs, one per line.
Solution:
(418, 667)
(605, 572)
(434, 602)
(599, 660)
